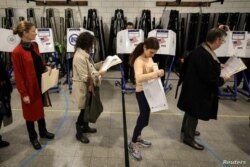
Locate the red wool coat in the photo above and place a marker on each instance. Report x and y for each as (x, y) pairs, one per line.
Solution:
(27, 83)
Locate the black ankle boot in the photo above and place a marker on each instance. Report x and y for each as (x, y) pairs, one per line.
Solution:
(87, 129)
(35, 143)
(79, 136)
(82, 138)
(47, 135)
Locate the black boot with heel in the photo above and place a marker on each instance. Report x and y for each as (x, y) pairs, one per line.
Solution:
(43, 131)
(87, 129)
(79, 134)
(33, 135)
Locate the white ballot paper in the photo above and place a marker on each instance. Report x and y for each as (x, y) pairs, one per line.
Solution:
(109, 62)
(232, 66)
(49, 81)
(155, 95)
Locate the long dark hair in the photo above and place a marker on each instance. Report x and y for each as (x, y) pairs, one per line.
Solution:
(149, 43)
(85, 41)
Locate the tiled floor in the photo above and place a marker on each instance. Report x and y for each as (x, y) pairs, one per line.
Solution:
(226, 139)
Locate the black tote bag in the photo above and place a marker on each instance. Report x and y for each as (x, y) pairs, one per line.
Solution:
(93, 107)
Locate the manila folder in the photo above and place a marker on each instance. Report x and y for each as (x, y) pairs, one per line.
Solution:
(49, 80)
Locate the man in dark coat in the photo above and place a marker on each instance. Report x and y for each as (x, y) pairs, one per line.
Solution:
(199, 94)
(5, 108)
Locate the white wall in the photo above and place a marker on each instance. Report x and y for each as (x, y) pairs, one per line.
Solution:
(132, 8)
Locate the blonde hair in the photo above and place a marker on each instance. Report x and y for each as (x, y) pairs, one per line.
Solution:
(21, 27)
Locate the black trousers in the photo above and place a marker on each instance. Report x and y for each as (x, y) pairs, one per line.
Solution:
(189, 125)
(143, 118)
(31, 128)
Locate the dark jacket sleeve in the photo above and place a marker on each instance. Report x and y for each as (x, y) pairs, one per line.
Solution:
(4, 76)
(208, 70)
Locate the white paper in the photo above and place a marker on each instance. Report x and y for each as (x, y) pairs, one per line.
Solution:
(109, 62)
(49, 81)
(233, 66)
(8, 40)
(155, 95)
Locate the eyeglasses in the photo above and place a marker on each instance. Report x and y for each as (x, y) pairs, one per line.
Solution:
(223, 40)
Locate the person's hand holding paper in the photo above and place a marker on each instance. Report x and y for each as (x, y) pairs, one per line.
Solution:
(232, 66)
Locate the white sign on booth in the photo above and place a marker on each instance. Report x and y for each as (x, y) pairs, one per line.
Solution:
(8, 40)
(237, 44)
(128, 39)
(72, 34)
(167, 41)
(45, 40)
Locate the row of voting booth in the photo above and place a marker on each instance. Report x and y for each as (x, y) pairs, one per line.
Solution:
(126, 42)
(128, 39)
(237, 43)
(44, 39)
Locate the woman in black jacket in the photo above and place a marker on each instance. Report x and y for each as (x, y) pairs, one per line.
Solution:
(5, 108)
(199, 94)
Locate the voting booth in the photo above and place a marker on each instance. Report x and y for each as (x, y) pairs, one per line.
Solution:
(45, 41)
(237, 43)
(72, 34)
(128, 39)
(8, 40)
(167, 41)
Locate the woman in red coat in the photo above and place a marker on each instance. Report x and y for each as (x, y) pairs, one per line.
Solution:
(28, 68)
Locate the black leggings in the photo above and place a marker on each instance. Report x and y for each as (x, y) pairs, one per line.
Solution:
(143, 118)
(80, 119)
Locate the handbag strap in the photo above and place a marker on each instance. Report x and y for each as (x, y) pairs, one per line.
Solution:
(90, 82)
